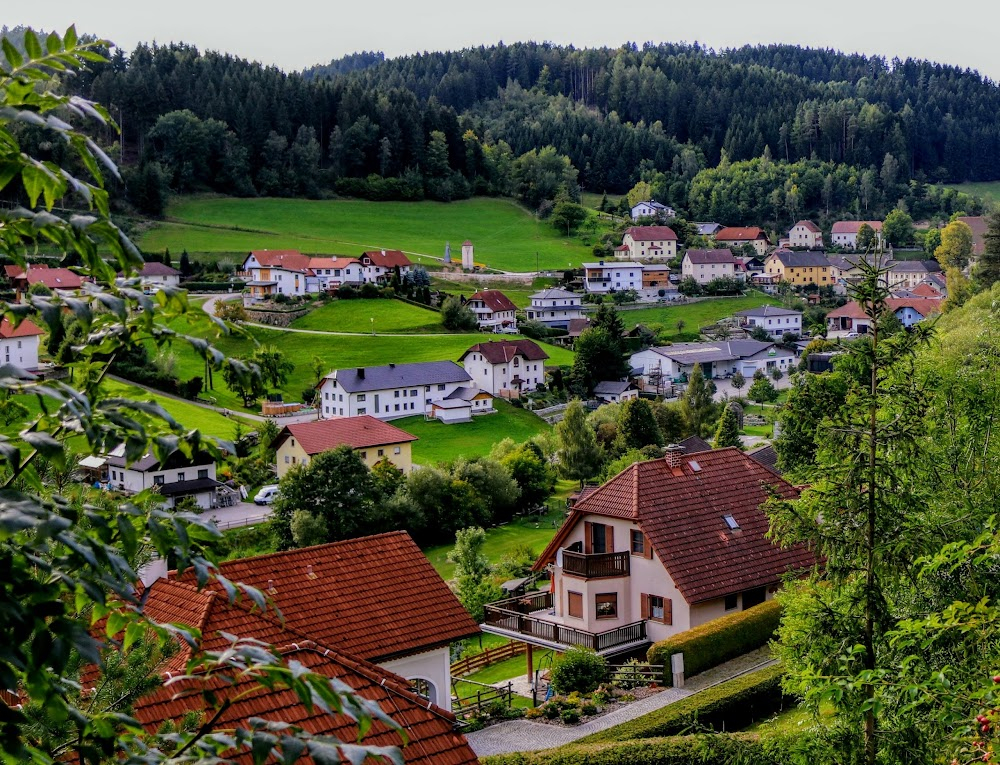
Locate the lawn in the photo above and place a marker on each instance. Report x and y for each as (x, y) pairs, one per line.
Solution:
(988, 190)
(357, 315)
(695, 315)
(519, 292)
(505, 235)
(191, 416)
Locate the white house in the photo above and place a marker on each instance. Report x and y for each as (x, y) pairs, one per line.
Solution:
(379, 265)
(506, 367)
(805, 234)
(615, 391)
(391, 391)
(604, 277)
(19, 345)
(328, 273)
(705, 265)
(649, 243)
(555, 307)
(493, 310)
(462, 404)
(717, 359)
(664, 546)
(845, 232)
(174, 479)
(652, 209)
(774, 320)
(276, 272)
(158, 274)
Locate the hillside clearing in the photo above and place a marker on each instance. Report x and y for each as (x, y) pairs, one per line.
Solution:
(695, 315)
(357, 316)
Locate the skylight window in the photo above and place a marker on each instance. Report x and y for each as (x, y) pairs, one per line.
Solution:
(695, 466)
(731, 522)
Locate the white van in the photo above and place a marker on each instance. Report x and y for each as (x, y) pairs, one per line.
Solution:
(266, 495)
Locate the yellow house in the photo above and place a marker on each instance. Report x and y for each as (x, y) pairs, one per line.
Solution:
(370, 438)
(800, 268)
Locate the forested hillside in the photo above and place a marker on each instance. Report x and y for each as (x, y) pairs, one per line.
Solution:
(449, 125)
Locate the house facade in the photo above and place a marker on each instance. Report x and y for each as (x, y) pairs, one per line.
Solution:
(805, 234)
(909, 274)
(652, 209)
(649, 243)
(175, 478)
(615, 391)
(371, 439)
(494, 310)
(705, 265)
(289, 272)
(737, 236)
(602, 278)
(390, 391)
(555, 307)
(800, 268)
(378, 266)
(54, 278)
(506, 367)
(19, 345)
(664, 546)
(774, 320)
(159, 275)
(845, 232)
(718, 360)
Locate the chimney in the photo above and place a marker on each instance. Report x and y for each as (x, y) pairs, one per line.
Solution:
(674, 454)
(270, 586)
(383, 253)
(309, 571)
(361, 373)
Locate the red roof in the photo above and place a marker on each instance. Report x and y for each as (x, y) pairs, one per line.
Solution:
(711, 256)
(851, 310)
(53, 278)
(376, 597)
(502, 351)
(26, 328)
(651, 233)
(926, 290)
(808, 225)
(287, 260)
(740, 234)
(356, 432)
(853, 226)
(681, 510)
(495, 300)
(925, 306)
(432, 739)
(387, 258)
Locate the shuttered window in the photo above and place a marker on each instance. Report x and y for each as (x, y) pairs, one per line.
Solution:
(574, 605)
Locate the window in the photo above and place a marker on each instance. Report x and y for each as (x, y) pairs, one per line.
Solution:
(396, 450)
(364, 455)
(397, 408)
(180, 476)
(413, 392)
(574, 604)
(606, 605)
(381, 452)
(203, 473)
(158, 480)
(441, 386)
(656, 610)
(731, 602)
(362, 397)
(396, 393)
(362, 410)
(638, 543)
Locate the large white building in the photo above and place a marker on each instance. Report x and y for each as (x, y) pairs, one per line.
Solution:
(390, 391)
(176, 477)
(493, 310)
(649, 243)
(805, 234)
(555, 307)
(772, 319)
(705, 265)
(19, 345)
(717, 359)
(506, 367)
(845, 232)
(652, 209)
(601, 277)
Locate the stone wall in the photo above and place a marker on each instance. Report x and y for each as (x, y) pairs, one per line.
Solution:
(275, 318)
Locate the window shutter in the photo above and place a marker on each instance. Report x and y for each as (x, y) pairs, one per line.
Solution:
(647, 547)
(609, 538)
(644, 606)
(668, 611)
(588, 536)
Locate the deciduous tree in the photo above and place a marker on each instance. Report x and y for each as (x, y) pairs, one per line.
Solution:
(580, 456)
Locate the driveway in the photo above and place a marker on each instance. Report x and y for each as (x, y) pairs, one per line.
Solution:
(241, 514)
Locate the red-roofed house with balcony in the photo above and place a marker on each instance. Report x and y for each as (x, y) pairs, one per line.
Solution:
(805, 234)
(379, 265)
(53, 278)
(289, 272)
(494, 311)
(19, 345)
(506, 368)
(664, 546)
(648, 243)
(369, 437)
(737, 236)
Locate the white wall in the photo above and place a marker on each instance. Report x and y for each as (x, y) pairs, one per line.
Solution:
(336, 402)
(497, 377)
(135, 480)
(20, 351)
(433, 666)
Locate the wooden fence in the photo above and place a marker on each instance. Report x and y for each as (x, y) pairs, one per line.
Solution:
(478, 696)
(489, 656)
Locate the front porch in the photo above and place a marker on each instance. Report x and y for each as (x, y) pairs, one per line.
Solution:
(532, 619)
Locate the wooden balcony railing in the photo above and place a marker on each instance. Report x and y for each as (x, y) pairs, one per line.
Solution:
(596, 566)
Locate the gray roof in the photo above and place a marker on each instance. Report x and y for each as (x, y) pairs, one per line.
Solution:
(361, 379)
(615, 264)
(554, 294)
(769, 310)
(916, 266)
(704, 353)
(791, 259)
(707, 228)
(464, 393)
(710, 256)
(148, 461)
(612, 387)
(452, 403)
(694, 444)
(766, 456)
(180, 488)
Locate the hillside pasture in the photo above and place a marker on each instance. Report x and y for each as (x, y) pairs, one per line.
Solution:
(392, 316)
(694, 315)
(988, 190)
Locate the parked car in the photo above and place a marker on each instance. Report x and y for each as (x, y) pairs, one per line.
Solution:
(852, 335)
(266, 495)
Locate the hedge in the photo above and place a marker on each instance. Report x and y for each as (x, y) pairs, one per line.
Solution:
(211, 286)
(726, 749)
(719, 640)
(732, 705)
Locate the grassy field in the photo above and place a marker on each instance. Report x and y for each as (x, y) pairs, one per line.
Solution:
(519, 292)
(988, 190)
(505, 235)
(357, 315)
(444, 443)
(697, 314)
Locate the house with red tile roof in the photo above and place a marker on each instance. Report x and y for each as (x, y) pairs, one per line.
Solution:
(845, 232)
(369, 437)
(158, 274)
(851, 317)
(379, 265)
(664, 546)
(737, 236)
(648, 243)
(19, 345)
(506, 367)
(289, 272)
(805, 234)
(37, 273)
(494, 310)
(705, 265)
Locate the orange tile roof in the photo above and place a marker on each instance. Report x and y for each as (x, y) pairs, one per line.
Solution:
(854, 226)
(333, 262)
(26, 328)
(681, 512)
(651, 233)
(39, 273)
(356, 432)
(288, 260)
(926, 290)
(925, 306)
(740, 234)
(387, 258)
(495, 300)
(376, 597)
(429, 729)
(808, 225)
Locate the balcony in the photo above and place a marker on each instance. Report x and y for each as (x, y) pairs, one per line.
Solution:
(531, 618)
(596, 566)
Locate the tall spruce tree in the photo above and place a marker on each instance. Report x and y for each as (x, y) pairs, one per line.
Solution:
(987, 270)
(696, 403)
(728, 432)
(580, 456)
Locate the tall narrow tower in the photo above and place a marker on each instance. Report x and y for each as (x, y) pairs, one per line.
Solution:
(467, 260)
(447, 252)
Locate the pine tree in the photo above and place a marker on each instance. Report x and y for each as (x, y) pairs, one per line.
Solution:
(185, 264)
(987, 270)
(697, 402)
(580, 456)
(728, 432)
(166, 258)
(637, 427)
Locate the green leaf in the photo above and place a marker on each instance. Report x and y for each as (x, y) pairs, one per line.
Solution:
(52, 43)
(31, 46)
(11, 53)
(69, 39)
(46, 445)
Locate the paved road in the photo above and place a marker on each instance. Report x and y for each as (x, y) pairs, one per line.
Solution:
(242, 514)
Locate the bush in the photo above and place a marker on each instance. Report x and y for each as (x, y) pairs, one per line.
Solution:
(208, 286)
(346, 292)
(719, 640)
(579, 669)
(551, 710)
(370, 291)
(733, 705)
(570, 716)
(589, 708)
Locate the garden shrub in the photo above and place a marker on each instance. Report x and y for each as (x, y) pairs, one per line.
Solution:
(719, 640)
(729, 706)
(589, 708)
(571, 716)
(579, 669)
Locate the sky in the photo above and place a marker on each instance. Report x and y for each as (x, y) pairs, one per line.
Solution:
(295, 34)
